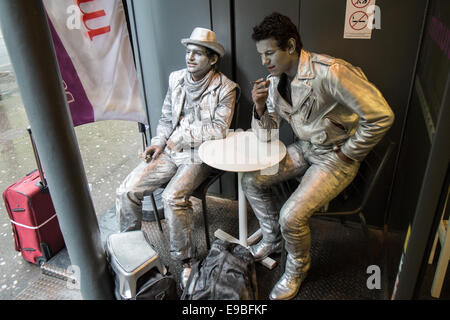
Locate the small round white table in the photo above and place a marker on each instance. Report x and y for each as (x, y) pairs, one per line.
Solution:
(243, 152)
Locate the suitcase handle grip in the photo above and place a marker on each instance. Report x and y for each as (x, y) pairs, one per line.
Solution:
(38, 160)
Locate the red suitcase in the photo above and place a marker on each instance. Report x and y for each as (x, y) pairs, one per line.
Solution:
(33, 218)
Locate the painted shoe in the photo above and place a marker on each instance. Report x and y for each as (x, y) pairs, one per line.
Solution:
(287, 287)
(263, 249)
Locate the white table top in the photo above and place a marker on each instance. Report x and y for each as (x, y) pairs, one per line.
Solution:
(241, 152)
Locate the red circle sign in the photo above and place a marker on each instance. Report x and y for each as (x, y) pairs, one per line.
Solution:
(358, 20)
(360, 3)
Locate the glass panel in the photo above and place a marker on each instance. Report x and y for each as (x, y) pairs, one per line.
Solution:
(109, 150)
(434, 62)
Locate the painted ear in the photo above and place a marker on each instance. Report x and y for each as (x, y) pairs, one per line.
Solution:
(291, 45)
(214, 60)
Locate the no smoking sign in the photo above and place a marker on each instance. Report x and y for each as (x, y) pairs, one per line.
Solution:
(360, 3)
(357, 19)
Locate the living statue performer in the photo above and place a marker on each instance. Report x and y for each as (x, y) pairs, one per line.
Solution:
(337, 116)
(198, 106)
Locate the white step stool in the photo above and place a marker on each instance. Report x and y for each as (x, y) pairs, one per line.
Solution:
(131, 256)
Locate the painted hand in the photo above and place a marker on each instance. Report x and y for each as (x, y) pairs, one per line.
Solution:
(152, 153)
(260, 93)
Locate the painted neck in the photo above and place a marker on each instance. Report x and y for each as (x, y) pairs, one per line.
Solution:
(197, 76)
(292, 71)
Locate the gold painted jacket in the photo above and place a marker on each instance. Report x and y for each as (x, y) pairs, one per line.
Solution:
(215, 112)
(333, 106)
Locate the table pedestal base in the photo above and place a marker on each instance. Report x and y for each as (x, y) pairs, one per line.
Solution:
(222, 235)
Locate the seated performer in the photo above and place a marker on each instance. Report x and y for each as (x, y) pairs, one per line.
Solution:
(199, 106)
(337, 115)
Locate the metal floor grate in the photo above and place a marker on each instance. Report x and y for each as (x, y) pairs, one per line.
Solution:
(49, 288)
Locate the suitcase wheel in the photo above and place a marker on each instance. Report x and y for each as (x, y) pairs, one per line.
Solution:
(46, 254)
(40, 261)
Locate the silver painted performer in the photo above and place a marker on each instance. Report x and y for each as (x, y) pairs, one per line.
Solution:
(337, 116)
(198, 106)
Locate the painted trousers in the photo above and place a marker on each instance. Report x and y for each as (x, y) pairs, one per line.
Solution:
(323, 177)
(182, 178)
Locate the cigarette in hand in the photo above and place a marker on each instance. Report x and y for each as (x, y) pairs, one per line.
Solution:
(145, 157)
(257, 81)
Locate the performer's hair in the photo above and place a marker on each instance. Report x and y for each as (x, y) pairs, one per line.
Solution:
(210, 54)
(279, 27)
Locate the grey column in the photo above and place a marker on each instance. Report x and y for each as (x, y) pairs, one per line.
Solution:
(30, 47)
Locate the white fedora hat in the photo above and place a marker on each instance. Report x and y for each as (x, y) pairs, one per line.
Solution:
(205, 37)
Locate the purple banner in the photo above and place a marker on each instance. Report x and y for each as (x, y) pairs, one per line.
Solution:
(80, 107)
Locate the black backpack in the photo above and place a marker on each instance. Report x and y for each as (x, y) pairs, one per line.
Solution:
(227, 273)
(156, 286)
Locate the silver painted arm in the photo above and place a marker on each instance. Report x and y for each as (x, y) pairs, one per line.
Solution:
(266, 127)
(349, 86)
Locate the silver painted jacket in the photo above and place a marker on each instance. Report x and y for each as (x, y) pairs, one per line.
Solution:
(333, 106)
(215, 111)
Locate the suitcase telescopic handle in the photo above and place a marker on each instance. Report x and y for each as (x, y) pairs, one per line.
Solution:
(38, 160)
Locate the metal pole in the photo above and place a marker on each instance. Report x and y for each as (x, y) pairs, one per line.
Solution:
(27, 36)
(242, 212)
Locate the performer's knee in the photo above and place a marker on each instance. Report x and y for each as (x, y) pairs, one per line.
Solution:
(292, 219)
(253, 181)
(247, 181)
(172, 197)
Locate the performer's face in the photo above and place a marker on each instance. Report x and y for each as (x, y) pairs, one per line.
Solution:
(197, 62)
(276, 60)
